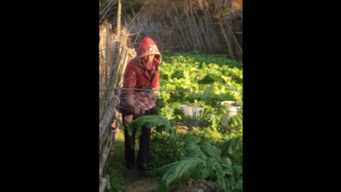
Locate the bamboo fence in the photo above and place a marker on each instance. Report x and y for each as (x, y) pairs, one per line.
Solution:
(113, 57)
(194, 32)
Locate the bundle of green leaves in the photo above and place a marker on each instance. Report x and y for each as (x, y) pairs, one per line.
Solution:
(176, 159)
(205, 161)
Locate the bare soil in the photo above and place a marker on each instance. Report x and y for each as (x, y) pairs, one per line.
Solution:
(137, 182)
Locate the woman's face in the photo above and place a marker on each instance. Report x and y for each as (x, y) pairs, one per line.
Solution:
(148, 58)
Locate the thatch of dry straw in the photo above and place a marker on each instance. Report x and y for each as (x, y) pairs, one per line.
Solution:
(113, 57)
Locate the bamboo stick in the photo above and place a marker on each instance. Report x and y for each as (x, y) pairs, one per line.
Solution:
(102, 184)
(105, 150)
(164, 37)
(186, 43)
(119, 66)
(122, 69)
(157, 35)
(105, 83)
(107, 10)
(190, 33)
(101, 84)
(232, 34)
(227, 42)
(234, 12)
(199, 39)
(207, 26)
(208, 29)
(204, 30)
(236, 42)
(209, 35)
(230, 14)
(188, 36)
(103, 142)
(108, 116)
(214, 34)
(112, 63)
(106, 94)
(230, 31)
(104, 181)
(108, 179)
(107, 7)
(117, 51)
(119, 20)
(106, 57)
(103, 157)
(178, 39)
(108, 139)
(161, 33)
(198, 34)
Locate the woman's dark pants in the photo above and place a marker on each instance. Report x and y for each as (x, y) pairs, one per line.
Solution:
(129, 145)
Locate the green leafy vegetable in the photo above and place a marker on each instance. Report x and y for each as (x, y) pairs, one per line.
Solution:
(151, 121)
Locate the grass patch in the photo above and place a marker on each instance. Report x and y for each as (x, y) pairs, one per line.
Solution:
(115, 166)
(122, 179)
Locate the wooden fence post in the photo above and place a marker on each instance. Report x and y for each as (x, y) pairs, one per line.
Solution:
(119, 19)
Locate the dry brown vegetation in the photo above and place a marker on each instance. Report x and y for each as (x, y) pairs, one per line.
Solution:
(211, 26)
(162, 10)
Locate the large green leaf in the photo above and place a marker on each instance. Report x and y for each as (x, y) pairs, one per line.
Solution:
(150, 121)
(208, 90)
(190, 167)
(228, 146)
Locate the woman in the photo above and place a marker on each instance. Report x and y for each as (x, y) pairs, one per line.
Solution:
(142, 72)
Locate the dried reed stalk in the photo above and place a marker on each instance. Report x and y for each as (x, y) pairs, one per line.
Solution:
(111, 65)
(227, 42)
(187, 24)
(180, 28)
(230, 30)
(213, 33)
(210, 36)
(106, 9)
(195, 32)
(177, 37)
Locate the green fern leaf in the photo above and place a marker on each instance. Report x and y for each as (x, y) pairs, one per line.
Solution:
(237, 173)
(211, 151)
(228, 146)
(180, 170)
(233, 174)
(239, 186)
(192, 148)
(150, 121)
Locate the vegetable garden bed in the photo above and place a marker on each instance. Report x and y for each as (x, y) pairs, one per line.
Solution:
(207, 150)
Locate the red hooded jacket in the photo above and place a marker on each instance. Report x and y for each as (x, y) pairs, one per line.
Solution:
(137, 76)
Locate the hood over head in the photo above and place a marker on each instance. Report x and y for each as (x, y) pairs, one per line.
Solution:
(148, 47)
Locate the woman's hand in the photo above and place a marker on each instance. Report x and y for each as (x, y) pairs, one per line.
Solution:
(127, 119)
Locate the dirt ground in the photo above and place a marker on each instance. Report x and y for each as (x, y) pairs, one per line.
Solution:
(137, 182)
